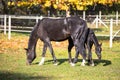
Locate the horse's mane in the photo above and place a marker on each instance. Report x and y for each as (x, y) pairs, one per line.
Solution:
(33, 34)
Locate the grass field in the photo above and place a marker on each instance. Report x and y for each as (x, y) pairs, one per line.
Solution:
(13, 58)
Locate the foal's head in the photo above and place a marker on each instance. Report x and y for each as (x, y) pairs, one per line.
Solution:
(30, 56)
(98, 50)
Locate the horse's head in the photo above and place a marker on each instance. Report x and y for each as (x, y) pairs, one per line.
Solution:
(98, 50)
(30, 56)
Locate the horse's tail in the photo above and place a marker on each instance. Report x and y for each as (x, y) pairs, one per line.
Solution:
(87, 33)
(84, 33)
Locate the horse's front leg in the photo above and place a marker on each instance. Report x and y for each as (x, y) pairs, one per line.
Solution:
(70, 46)
(69, 54)
(53, 55)
(43, 54)
(52, 52)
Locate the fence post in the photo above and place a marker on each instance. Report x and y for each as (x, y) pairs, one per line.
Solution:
(37, 19)
(116, 18)
(48, 13)
(96, 21)
(67, 13)
(111, 31)
(83, 15)
(9, 27)
(100, 17)
(41, 17)
(5, 20)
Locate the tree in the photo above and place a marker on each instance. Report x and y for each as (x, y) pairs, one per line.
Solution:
(54, 6)
(4, 7)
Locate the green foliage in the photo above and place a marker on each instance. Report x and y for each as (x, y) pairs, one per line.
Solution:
(41, 7)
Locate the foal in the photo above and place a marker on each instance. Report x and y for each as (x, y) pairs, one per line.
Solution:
(90, 40)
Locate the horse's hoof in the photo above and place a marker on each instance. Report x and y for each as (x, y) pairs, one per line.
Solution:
(40, 64)
(82, 64)
(93, 64)
(42, 61)
(72, 64)
(55, 64)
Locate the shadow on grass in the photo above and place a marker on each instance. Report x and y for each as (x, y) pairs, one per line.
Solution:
(104, 62)
(96, 61)
(60, 61)
(5, 75)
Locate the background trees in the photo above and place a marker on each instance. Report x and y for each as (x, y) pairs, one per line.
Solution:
(57, 7)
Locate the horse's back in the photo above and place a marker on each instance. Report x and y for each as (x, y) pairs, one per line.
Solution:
(55, 29)
(62, 28)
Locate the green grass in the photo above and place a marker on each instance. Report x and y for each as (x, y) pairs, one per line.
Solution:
(13, 58)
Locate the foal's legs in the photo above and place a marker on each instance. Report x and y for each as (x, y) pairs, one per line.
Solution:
(90, 60)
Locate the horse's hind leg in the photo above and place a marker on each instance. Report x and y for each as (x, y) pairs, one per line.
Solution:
(43, 54)
(76, 43)
(70, 46)
(76, 57)
(83, 54)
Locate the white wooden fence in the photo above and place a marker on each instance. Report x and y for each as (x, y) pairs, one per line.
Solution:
(112, 36)
(7, 20)
(98, 19)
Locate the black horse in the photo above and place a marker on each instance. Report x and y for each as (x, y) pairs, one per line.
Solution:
(90, 40)
(48, 30)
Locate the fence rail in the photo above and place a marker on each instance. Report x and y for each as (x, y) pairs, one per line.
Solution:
(18, 23)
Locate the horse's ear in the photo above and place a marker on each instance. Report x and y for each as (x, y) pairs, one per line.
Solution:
(26, 49)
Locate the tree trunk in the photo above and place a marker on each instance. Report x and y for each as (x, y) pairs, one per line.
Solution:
(5, 8)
